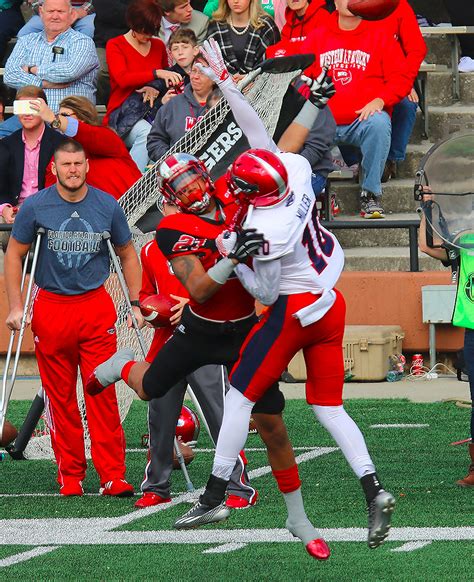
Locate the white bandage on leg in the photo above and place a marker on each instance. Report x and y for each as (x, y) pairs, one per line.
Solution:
(233, 433)
(347, 435)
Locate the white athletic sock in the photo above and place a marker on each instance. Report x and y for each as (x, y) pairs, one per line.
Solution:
(109, 371)
(298, 523)
(348, 436)
(233, 433)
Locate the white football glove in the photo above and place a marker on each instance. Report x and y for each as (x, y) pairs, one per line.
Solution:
(217, 70)
(321, 89)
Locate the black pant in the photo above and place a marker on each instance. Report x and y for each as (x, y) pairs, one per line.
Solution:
(197, 342)
(461, 13)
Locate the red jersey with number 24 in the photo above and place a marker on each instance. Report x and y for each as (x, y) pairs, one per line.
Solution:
(190, 234)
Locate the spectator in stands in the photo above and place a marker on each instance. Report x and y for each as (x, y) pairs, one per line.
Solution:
(109, 22)
(404, 26)
(462, 14)
(135, 60)
(180, 14)
(82, 18)
(111, 168)
(183, 48)
(244, 32)
(3, 100)
(24, 156)
(11, 20)
(368, 68)
(212, 5)
(59, 60)
(180, 114)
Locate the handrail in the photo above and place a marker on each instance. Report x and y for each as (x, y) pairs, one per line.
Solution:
(412, 226)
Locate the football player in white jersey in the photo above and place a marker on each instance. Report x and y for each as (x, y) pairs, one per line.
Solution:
(295, 276)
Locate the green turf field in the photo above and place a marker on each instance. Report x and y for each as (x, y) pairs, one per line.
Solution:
(45, 537)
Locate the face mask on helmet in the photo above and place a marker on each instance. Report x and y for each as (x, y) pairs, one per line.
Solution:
(258, 177)
(186, 183)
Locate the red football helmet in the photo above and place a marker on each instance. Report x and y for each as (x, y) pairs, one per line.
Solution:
(186, 182)
(258, 177)
(188, 425)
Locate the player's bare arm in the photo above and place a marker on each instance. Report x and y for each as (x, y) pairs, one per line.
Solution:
(13, 269)
(192, 275)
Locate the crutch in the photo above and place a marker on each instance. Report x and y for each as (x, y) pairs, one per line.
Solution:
(106, 236)
(8, 382)
(17, 448)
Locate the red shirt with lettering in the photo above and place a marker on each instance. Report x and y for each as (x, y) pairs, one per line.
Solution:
(190, 234)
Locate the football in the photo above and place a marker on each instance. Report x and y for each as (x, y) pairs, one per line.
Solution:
(372, 9)
(8, 435)
(156, 309)
(186, 451)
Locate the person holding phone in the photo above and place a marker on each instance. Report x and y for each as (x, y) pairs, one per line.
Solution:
(24, 156)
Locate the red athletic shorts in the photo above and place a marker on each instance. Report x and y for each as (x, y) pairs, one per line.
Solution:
(278, 336)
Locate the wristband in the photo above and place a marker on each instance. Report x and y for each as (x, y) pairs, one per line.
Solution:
(135, 303)
(221, 271)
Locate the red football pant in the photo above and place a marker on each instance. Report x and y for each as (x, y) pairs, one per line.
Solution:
(278, 336)
(70, 332)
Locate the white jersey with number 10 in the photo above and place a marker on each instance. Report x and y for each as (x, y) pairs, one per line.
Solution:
(311, 257)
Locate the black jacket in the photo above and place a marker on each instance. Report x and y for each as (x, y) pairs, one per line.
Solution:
(109, 20)
(12, 161)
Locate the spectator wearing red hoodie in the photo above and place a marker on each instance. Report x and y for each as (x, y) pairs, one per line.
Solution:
(111, 168)
(368, 68)
(301, 18)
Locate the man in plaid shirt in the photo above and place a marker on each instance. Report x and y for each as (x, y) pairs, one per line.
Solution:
(82, 18)
(60, 60)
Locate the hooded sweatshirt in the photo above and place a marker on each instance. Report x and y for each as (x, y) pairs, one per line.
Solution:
(365, 63)
(172, 121)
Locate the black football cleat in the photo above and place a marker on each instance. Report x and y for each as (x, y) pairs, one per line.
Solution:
(380, 513)
(202, 514)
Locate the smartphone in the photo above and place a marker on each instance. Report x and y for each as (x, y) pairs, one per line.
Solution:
(23, 107)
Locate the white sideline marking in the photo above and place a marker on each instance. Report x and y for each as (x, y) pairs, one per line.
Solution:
(207, 450)
(224, 549)
(411, 546)
(399, 425)
(24, 556)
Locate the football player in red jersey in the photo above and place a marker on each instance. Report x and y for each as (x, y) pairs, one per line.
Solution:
(296, 278)
(209, 384)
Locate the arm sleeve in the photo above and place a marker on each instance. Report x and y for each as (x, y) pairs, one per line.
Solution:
(320, 138)
(412, 42)
(263, 282)
(398, 82)
(79, 58)
(24, 227)
(247, 118)
(14, 75)
(120, 71)
(100, 141)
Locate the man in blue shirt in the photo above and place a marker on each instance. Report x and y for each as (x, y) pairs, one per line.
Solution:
(59, 59)
(73, 316)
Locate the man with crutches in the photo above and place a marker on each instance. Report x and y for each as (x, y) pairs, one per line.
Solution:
(73, 317)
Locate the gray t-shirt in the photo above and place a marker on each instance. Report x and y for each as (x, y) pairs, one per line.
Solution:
(73, 255)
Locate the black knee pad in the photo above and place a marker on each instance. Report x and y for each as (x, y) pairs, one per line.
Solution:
(272, 402)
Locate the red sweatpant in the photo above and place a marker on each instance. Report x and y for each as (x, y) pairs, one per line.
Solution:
(72, 331)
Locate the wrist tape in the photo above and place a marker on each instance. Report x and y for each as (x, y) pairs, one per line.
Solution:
(221, 271)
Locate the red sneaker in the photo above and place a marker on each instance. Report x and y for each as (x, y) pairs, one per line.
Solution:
(71, 489)
(318, 549)
(236, 502)
(117, 488)
(93, 386)
(148, 499)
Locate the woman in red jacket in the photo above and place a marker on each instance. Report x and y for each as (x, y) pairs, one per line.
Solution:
(135, 60)
(111, 168)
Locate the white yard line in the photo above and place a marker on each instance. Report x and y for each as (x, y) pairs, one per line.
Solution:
(411, 546)
(399, 425)
(25, 556)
